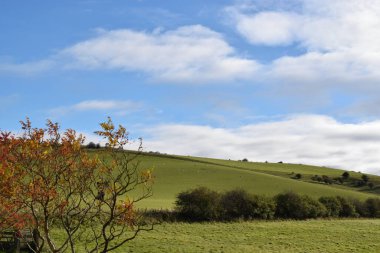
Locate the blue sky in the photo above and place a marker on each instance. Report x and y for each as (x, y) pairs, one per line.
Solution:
(290, 80)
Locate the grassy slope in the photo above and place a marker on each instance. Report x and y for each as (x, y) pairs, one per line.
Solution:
(174, 174)
(289, 170)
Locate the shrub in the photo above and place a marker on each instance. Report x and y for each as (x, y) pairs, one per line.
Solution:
(263, 207)
(236, 204)
(160, 215)
(312, 208)
(240, 204)
(298, 176)
(317, 178)
(288, 205)
(373, 207)
(338, 180)
(345, 175)
(200, 204)
(360, 183)
(360, 207)
(326, 179)
(348, 208)
(293, 206)
(333, 206)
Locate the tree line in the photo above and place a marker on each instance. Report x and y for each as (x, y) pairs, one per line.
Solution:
(203, 204)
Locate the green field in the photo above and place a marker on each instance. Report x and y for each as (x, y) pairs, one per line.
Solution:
(277, 236)
(259, 237)
(174, 174)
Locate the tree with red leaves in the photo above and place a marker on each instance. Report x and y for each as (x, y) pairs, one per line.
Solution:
(47, 180)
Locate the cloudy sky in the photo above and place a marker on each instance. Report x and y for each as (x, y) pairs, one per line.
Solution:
(278, 80)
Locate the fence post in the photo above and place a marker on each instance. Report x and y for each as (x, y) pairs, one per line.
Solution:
(17, 242)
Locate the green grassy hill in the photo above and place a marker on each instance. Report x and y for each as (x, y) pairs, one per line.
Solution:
(174, 174)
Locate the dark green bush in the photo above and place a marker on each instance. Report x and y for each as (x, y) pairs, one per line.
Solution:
(327, 179)
(312, 208)
(333, 206)
(345, 175)
(240, 204)
(359, 183)
(236, 204)
(348, 208)
(263, 207)
(373, 207)
(288, 205)
(360, 207)
(293, 206)
(200, 204)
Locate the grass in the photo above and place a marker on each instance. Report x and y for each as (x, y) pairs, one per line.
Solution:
(278, 236)
(174, 174)
(287, 169)
(326, 236)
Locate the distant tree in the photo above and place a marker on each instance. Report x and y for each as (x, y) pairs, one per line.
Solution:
(371, 185)
(345, 175)
(245, 160)
(98, 146)
(326, 179)
(339, 180)
(360, 183)
(365, 178)
(298, 176)
(91, 145)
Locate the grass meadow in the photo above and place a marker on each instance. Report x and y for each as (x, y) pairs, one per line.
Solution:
(174, 174)
(328, 236)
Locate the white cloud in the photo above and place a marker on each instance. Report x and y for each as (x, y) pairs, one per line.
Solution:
(187, 54)
(117, 107)
(28, 68)
(192, 53)
(340, 39)
(320, 25)
(307, 139)
(268, 28)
